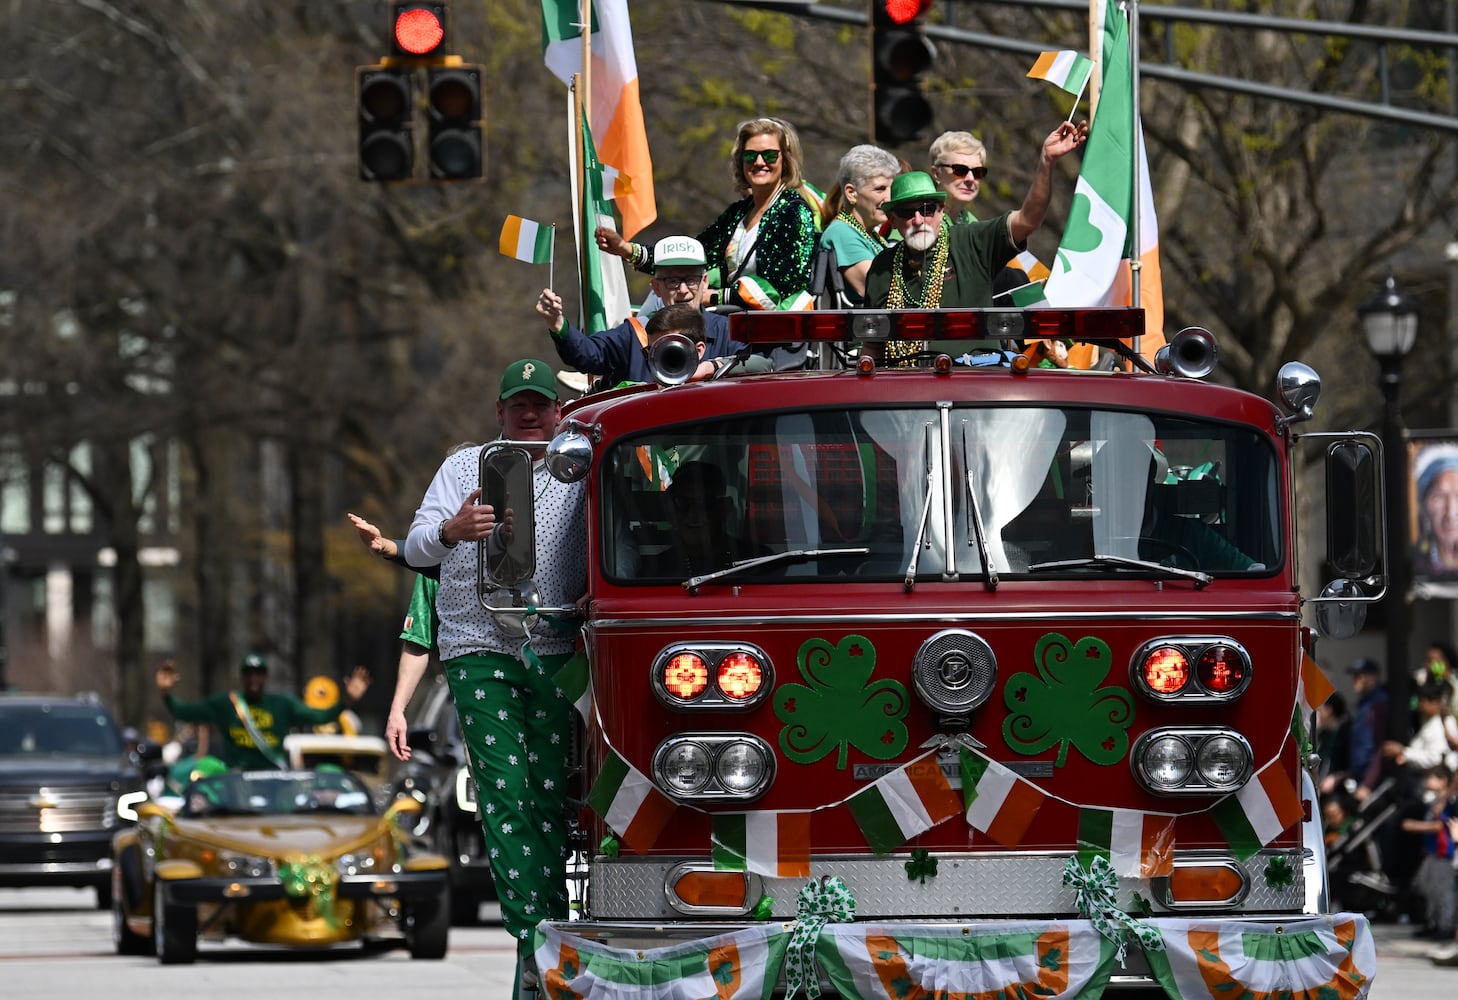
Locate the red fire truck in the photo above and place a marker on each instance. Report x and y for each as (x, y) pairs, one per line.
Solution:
(964, 648)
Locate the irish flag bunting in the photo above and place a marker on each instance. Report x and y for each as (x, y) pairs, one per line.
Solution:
(1066, 70)
(999, 803)
(526, 240)
(898, 806)
(616, 114)
(575, 681)
(1329, 957)
(741, 965)
(1254, 816)
(1051, 960)
(629, 804)
(1137, 844)
(766, 843)
(1316, 687)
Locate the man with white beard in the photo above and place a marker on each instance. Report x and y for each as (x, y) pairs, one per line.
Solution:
(951, 267)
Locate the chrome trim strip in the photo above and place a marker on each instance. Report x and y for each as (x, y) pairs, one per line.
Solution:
(938, 619)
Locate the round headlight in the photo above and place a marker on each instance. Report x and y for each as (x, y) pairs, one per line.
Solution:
(685, 768)
(1167, 761)
(741, 767)
(1222, 760)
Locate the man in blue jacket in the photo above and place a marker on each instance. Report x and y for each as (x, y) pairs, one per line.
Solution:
(620, 354)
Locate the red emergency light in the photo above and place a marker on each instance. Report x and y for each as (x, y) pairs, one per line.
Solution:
(847, 325)
(418, 28)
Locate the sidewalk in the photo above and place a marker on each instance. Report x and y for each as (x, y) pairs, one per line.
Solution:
(1396, 940)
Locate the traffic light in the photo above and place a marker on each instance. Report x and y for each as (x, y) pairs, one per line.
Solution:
(900, 54)
(418, 30)
(386, 131)
(453, 107)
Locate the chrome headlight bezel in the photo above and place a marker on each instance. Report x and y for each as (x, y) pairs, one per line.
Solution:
(712, 697)
(1193, 739)
(714, 747)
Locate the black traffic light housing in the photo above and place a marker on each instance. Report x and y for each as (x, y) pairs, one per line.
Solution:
(418, 30)
(453, 109)
(386, 130)
(900, 54)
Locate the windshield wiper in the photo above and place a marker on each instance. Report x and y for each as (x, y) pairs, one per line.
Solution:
(974, 513)
(931, 475)
(1201, 580)
(693, 583)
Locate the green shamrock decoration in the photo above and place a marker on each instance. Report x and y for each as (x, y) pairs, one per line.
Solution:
(1140, 907)
(842, 705)
(1279, 873)
(1063, 704)
(765, 908)
(922, 866)
(609, 846)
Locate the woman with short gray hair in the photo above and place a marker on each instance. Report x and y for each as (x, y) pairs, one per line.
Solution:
(852, 214)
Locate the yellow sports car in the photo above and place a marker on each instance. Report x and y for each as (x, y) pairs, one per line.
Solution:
(299, 857)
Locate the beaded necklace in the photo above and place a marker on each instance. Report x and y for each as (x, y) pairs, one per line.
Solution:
(849, 218)
(931, 288)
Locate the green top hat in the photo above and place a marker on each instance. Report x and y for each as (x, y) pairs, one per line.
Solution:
(912, 186)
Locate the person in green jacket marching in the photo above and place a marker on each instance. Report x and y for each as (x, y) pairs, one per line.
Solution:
(251, 720)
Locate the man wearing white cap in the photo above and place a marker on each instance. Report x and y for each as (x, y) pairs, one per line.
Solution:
(619, 353)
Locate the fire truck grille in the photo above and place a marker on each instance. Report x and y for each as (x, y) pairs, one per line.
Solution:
(983, 886)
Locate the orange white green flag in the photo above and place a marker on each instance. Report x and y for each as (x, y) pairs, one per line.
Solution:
(1330, 956)
(616, 114)
(776, 844)
(740, 965)
(526, 240)
(629, 803)
(999, 803)
(908, 801)
(1065, 69)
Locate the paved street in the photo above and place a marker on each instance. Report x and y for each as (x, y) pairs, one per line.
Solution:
(55, 945)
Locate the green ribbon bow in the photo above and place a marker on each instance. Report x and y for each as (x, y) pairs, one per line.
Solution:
(1094, 890)
(818, 904)
(313, 878)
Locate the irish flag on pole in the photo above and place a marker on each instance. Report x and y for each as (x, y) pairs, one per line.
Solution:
(1092, 268)
(526, 240)
(1066, 70)
(616, 115)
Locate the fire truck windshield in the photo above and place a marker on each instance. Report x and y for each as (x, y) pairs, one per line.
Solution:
(989, 493)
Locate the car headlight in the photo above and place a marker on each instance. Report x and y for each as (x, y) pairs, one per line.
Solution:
(245, 866)
(1192, 760)
(354, 864)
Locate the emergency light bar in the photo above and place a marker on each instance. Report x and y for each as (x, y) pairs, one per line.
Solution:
(844, 325)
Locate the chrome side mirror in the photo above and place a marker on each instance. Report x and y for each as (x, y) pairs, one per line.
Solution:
(509, 555)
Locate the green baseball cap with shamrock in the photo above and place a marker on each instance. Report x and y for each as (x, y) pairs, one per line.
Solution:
(528, 374)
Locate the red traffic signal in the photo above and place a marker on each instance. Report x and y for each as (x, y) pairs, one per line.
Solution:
(902, 11)
(418, 29)
(453, 105)
(386, 136)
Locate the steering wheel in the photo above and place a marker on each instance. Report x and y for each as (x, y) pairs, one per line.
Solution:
(1167, 553)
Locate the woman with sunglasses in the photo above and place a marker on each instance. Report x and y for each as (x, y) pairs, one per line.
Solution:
(759, 248)
(958, 164)
(853, 217)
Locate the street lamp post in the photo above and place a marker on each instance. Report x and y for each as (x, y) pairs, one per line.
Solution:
(1389, 321)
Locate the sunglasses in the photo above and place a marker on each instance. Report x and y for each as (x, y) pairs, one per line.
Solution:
(962, 170)
(924, 208)
(771, 156)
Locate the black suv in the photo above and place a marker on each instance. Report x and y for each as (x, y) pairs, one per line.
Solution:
(63, 772)
(436, 773)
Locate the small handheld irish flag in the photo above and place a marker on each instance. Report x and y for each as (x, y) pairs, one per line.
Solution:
(1066, 70)
(527, 240)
